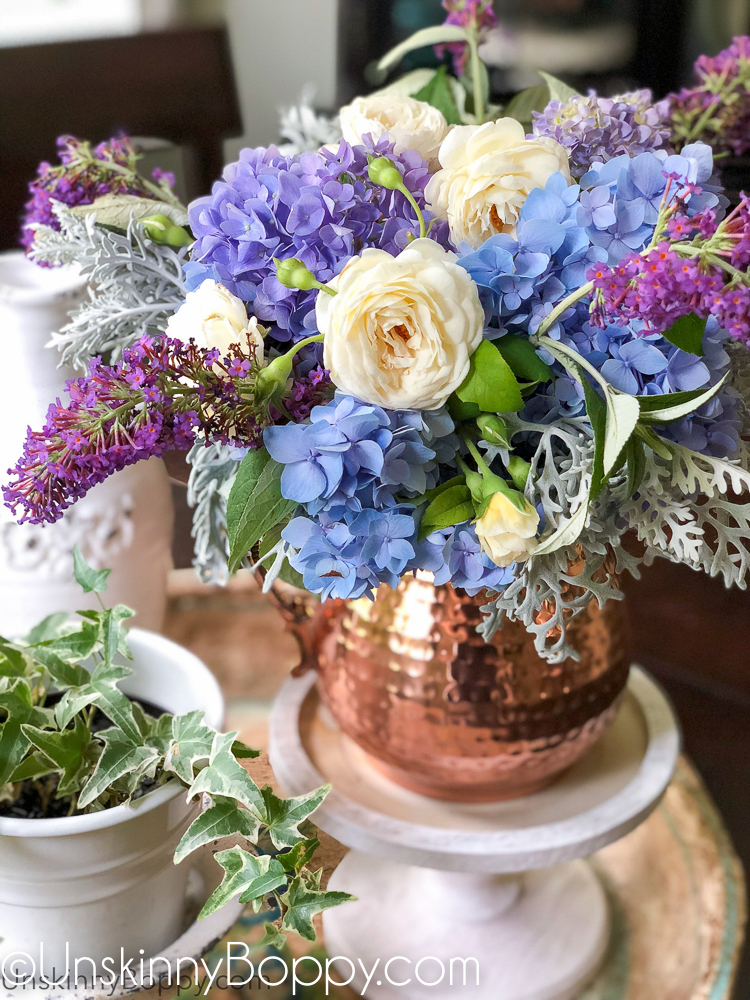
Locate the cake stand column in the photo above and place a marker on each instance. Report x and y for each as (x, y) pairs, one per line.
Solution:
(492, 900)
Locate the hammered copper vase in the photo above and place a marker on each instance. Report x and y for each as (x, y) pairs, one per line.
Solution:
(410, 681)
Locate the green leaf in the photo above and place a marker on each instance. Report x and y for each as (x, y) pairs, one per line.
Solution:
(490, 383)
(452, 506)
(63, 673)
(48, 628)
(16, 702)
(227, 778)
(299, 856)
(36, 765)
(283, 816)
(272, 938)
(102, 691)
(522, 358)
(68, 751)
(302, 904)
(120, 757)
(112, 633)
(596, 410)
(437, 35)
(243, 752)
(192, 742)
(687, 333)
(526, 102)
(255, 504)
(666, 414)
(13, 662)
(622, 416)
(462, 411)
(635, 456)
(654, 442)
(88, 578)
(244, 873)
(566, 534)
(78, 645)
(438, 93)
(558, 89)
(222, 819)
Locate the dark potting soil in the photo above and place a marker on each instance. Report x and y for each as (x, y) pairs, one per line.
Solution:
(37, 798)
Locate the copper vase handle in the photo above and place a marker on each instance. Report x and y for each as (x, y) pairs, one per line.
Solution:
(303, 614)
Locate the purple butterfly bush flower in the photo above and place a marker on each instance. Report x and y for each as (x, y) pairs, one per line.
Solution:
(83, 175)
(319, 207)
(474, 15)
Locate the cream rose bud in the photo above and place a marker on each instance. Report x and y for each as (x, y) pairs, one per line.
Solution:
(401, 330)
(409, 123)
(488, 172)
(506, 533)
(213, 317)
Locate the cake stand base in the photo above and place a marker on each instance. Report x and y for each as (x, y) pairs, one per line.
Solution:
(537, 936)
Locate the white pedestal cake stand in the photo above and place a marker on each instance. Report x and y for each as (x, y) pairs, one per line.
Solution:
(441, 882)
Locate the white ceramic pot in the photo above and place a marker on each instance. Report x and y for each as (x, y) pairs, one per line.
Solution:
(124, 524)
(105, 881)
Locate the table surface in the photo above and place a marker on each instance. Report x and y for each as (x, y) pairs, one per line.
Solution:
(692, 926)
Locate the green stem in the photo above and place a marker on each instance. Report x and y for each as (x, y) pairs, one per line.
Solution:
(477, 456)
(420, 218)
(563, 306)
(477, 77)
(163, 194)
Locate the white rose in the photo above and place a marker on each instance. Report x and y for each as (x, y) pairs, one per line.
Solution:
(488, 172)
(213, 317)
(409, 123)
(401, 330)
(506, 533)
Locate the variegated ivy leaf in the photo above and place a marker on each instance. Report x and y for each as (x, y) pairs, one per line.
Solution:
(48, 628)
(222, 819)
(192, 741)
(35, 765)
(272, 937)
(245, 875)
(77, 645)
(16, 703)
(283, 816)
(299, 856)
(13, 662)
(225, 777)
(64, 674)
(120, 757)
(302, 903)
(69, 751)
(159, 734)
(103, 692)
(88, 578)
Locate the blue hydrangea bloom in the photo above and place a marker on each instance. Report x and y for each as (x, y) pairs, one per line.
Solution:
(455, 556)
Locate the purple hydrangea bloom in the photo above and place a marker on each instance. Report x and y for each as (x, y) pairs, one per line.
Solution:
(319, 207)
(595, 129)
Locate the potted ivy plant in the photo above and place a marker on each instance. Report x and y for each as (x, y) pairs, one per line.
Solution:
(111, 777)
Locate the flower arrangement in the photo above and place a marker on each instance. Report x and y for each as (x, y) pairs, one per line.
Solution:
(72, 743)
(450, 342)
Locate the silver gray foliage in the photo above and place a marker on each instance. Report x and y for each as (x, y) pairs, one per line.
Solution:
(134, 285)
(304, 129)
(213, 469)
(560, 478)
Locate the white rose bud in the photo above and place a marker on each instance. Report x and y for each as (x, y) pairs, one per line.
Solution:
(488, 172)
(213, 317)
(506, 533)
(401, 330)
(409, 123)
